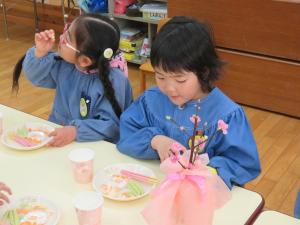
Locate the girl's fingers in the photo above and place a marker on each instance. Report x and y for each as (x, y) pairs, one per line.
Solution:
(50, 34)
(53, 140)
(38, 36)
(162, 156)
(3, 187)
(46, 35)
(4, 197)
(58, 143)
(53, 133)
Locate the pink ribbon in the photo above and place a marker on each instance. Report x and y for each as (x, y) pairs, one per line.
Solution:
(198, 180)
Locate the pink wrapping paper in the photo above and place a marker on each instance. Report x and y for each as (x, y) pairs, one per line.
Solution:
(186, 196)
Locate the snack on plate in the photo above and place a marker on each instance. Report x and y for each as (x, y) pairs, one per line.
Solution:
(130, 185)
(28, 212)
(119, 186)
(29, 137)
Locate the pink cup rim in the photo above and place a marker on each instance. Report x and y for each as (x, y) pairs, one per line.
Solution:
(81, 155)
(83, 195)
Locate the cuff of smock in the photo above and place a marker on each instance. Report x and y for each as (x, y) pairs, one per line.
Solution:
(31, 53)
(77, 123)
(154, 131)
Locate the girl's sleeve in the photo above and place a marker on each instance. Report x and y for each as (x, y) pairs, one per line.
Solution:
(236, 157)
(137, 131)
(40, 71)
(105, 126)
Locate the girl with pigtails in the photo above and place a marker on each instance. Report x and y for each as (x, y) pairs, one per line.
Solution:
(91, 93)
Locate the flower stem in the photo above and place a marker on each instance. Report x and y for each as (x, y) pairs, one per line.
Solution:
(193, 139)
(207, 140)
(178, 160)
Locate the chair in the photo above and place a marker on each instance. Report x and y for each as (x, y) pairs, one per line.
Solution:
(4, 12)
(3, 6)
(146, 67)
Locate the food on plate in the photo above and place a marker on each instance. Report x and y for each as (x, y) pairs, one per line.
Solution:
(29, 211)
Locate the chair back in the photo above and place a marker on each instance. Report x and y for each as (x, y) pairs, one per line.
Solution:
(162, 22)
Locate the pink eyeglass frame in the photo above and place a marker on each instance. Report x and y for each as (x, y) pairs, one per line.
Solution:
(64, 38)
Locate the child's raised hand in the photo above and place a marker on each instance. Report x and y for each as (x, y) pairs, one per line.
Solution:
(44, 42)
(4, 190)
(162, 144)
(63, 136)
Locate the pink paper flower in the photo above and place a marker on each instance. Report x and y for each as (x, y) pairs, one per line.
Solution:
(194, 117)
(176, 147)
(174, 158)
(222, 126)
(191, 166)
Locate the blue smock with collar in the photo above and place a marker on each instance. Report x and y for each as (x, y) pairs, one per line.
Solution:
(234, 155)
(101, 122)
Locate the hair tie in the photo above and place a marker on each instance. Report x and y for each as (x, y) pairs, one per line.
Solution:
(108, 53)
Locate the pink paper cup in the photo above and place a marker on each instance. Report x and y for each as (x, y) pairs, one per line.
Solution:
(88, 206)
(82, 164)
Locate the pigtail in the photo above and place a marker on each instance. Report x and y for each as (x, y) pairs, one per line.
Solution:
(17, 74)
(109, 92)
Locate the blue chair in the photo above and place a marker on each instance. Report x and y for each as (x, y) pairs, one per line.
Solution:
(297, 206)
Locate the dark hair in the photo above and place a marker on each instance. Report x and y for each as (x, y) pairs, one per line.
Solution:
(93, 33)
(184, 44)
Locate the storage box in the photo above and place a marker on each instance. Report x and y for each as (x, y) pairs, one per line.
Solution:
(129, 56)
(155, 11)
(120, 6)
(131, 46)
(130, 33)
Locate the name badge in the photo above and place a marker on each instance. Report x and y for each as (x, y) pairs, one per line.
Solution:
(84, 105)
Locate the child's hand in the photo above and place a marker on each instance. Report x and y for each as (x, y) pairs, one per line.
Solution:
(62, 136)
(44, 42)
(3, 196)
(162, 144)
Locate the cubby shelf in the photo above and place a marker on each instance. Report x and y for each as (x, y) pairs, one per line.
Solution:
(150, 23)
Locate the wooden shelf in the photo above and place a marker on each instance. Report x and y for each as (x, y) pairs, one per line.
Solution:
(139, 19)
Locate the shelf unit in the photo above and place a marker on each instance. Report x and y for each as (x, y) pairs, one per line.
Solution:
(121, 18)
(151, 24)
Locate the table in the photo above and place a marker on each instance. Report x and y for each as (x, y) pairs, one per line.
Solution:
(275, 218)
(47, 172)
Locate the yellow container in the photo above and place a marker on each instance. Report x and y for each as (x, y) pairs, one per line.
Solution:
(129, 56)
(131, 46)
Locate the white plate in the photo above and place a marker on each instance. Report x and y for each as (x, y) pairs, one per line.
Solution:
(39, 131)
(105, 181)
(44, 208)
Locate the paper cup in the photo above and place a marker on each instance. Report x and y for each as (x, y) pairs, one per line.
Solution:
(88, 206)
(82, 164)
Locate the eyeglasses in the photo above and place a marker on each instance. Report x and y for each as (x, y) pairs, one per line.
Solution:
(65, 38)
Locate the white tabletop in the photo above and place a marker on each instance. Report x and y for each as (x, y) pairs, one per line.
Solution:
(47, 171)
(275, 218)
